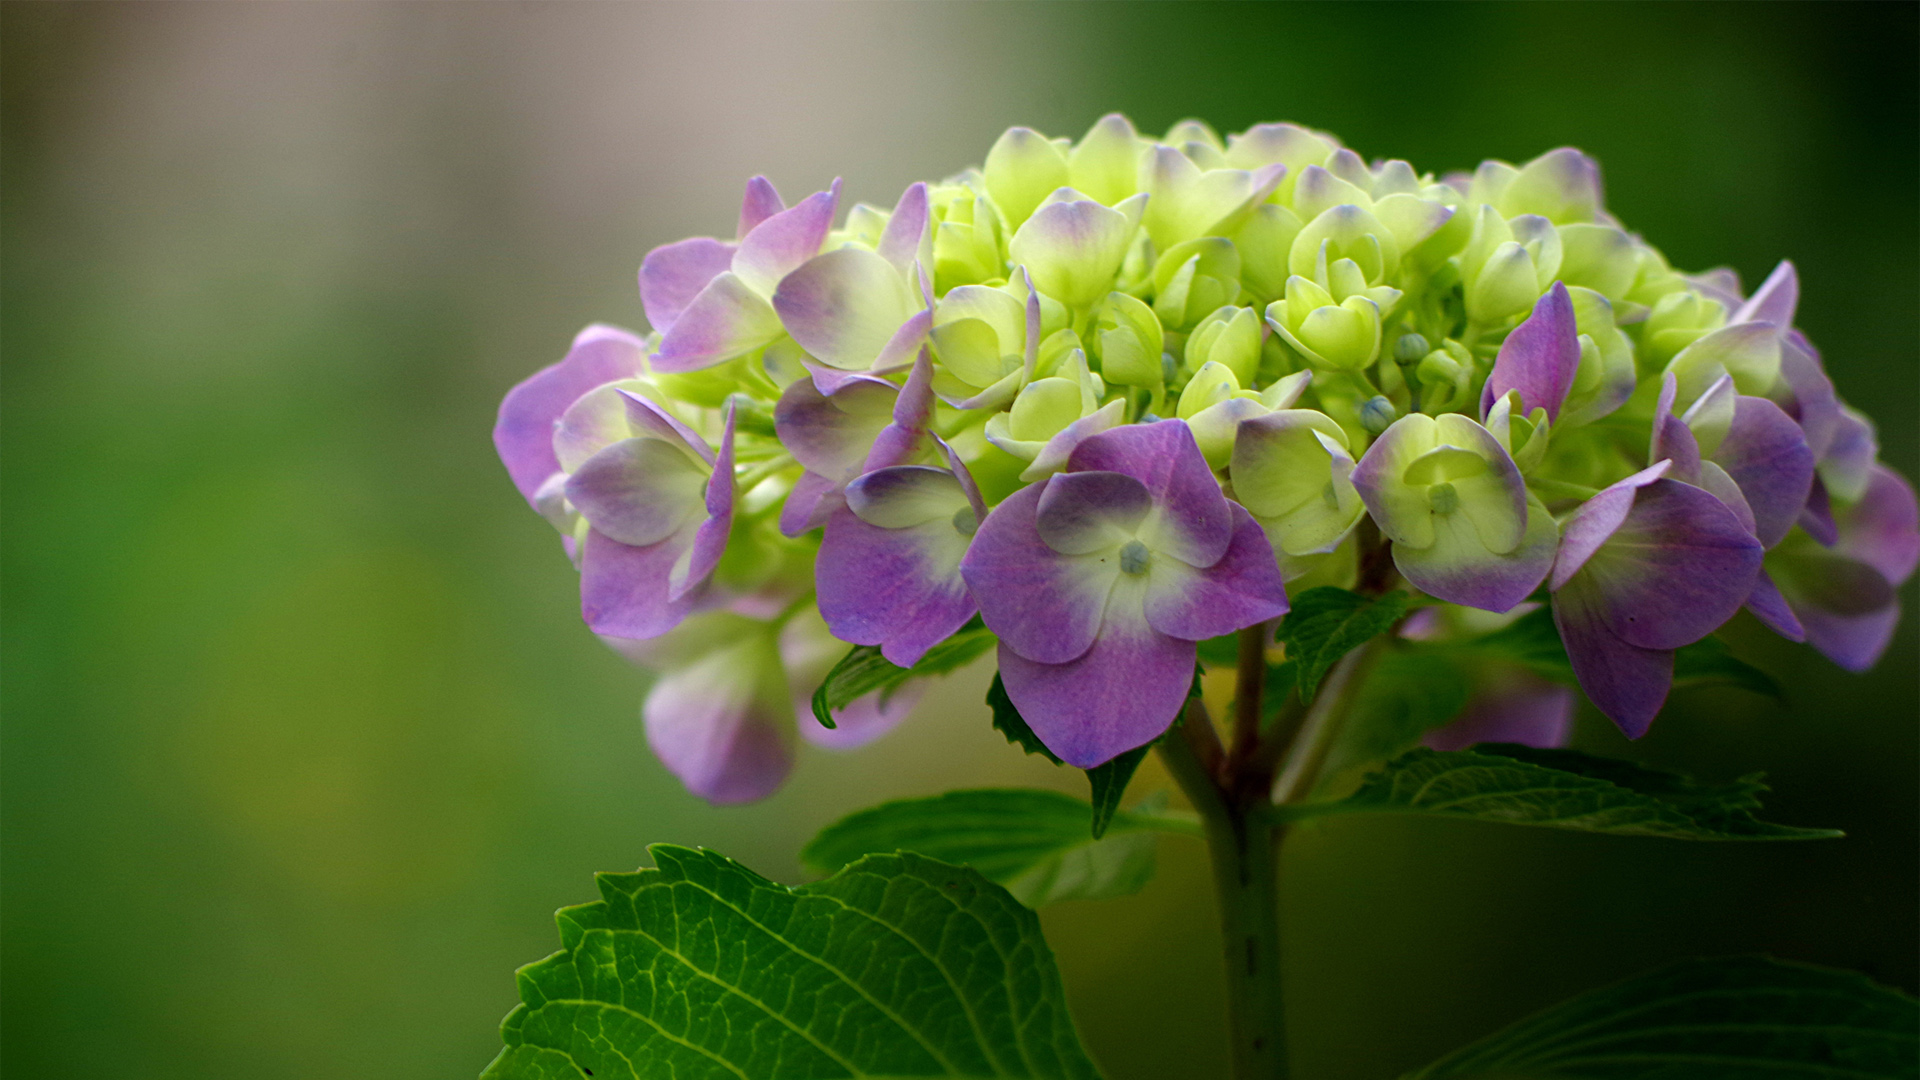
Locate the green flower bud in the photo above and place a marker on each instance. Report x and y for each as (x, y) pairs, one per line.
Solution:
(1342, 337)
(1022, 169)
(1410, 347)
(1377, 414)
(1507, 265)
(1678, 320)
(1194, 279)
(1229, 337)
(1605, 378)
(1598, 257)
(1106, 163)
(1211, 385)
(970, 243)
(1346, 232)
(1128, 342)
(1445, 375)
(1045, 407)
(1265, 242)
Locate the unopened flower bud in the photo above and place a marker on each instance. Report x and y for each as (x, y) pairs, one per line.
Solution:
(1377, 414)
(1410, 348)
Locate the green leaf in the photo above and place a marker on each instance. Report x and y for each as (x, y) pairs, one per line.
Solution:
(1728, 1019)
(703, 970)
(863, 670)
(1563, 789)
(1326, 623)
(1708, 661)
(1109, 782)
(1008, 721)
(1032, 842)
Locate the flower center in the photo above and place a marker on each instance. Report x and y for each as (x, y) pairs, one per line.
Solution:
(1135, 558)
(965, 522)
(1445, 499)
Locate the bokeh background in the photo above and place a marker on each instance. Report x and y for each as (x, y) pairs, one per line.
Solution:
(303, 738)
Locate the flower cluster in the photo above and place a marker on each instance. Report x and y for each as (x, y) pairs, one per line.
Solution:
(1116, 397)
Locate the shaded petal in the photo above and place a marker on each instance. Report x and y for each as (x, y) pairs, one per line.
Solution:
(723, 724)
(1883, 528)
(638, 491)
(1672, 439)
(1193, 523)
(1045, 605)
(832, 434)
(1772, 609)
(844, 306)
(1242, 589)
(523, 434)
(861, 720)
(1850, 456)
(777, 246)
(673, 274)
(901, 440)
(1596, 520)
(623, 589)
(645, 415)
(898, 588)
(1054, 454)
(1817, 518)
(1527, 710)
(1805, 391)
(1766, 454)
(1081, 513)
(813, 499)
(1677, 568)
(1539, 358)
(907, 238)
(1123, 692)
(903, 496)
(761, 202)
(1855, 642)
(1774, 301)
(724, 321)
(1403, 512)
(710, 540)
(1626, 682)
(1459, 569)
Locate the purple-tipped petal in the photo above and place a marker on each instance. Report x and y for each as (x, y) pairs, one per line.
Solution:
(907, 238)
(1774, 301)
(1596, 521)
(1855, 642)
(1626, 682)
(1674, 570)
(1080, 513)
(1527, 710)
(644, 414)
(896, 587)
(777, 246)
(1772, 609)
(1817, 517)
(1242, 589)
(1121, 693)
(1539, 358)
(903, 439)
(710, 541)
(861, 720)
(1046, 606)
(729, 739)
(844, 306)
(638, 491)
(1459, 569)
(523, 434)
(1054, 455)
(1194, 523)
(832, 434)
(1850, 457)
(673, 274)
(760, 203)
(1883, 528)
(725, 320)
(1805, 391)
(813, 499)
(1673, 440)
(1766, 454)
(623, 589)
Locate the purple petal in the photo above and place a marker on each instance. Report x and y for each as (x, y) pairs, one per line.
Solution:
(1850, 456)
(1674, 570)
(523, 434)
(1045, 605)
(1084, 512)
(1626, 682)
(725, 320)
(623, 589)
(844, 306)
(1053, 456)
(645, 414)
(1242, 589)
(673, 274)
(813, 499)
(1772, 609)
(1539, 358)
(1164, 457)
(760, 203)
(710, 541)
(899, 589)
(861, 720)
(1596, 520)
(1817, 518)
(1855, 642)
(901, 440)
(1673, 440)
(907, 238)
(729, 739)
(1883, 528)
(1774, 301)
(1766, 454)
(777, 246)
(1528, 710)
(638, 491)
(1123, 692)
(962, 474)
(832, 434)
(1459, 569)
(1805, 391)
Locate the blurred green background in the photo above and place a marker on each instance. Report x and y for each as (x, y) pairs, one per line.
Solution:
(303, 738)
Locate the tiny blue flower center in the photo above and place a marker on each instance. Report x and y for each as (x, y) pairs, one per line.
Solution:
(964, 521)
(1445, 499)
(1135, 558)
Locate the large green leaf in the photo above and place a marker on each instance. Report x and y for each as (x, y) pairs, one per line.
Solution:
(1326, 623)
(863, 670)
(1562, 789)
(1744, 1018)
(1033, 842)
(703, 970)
